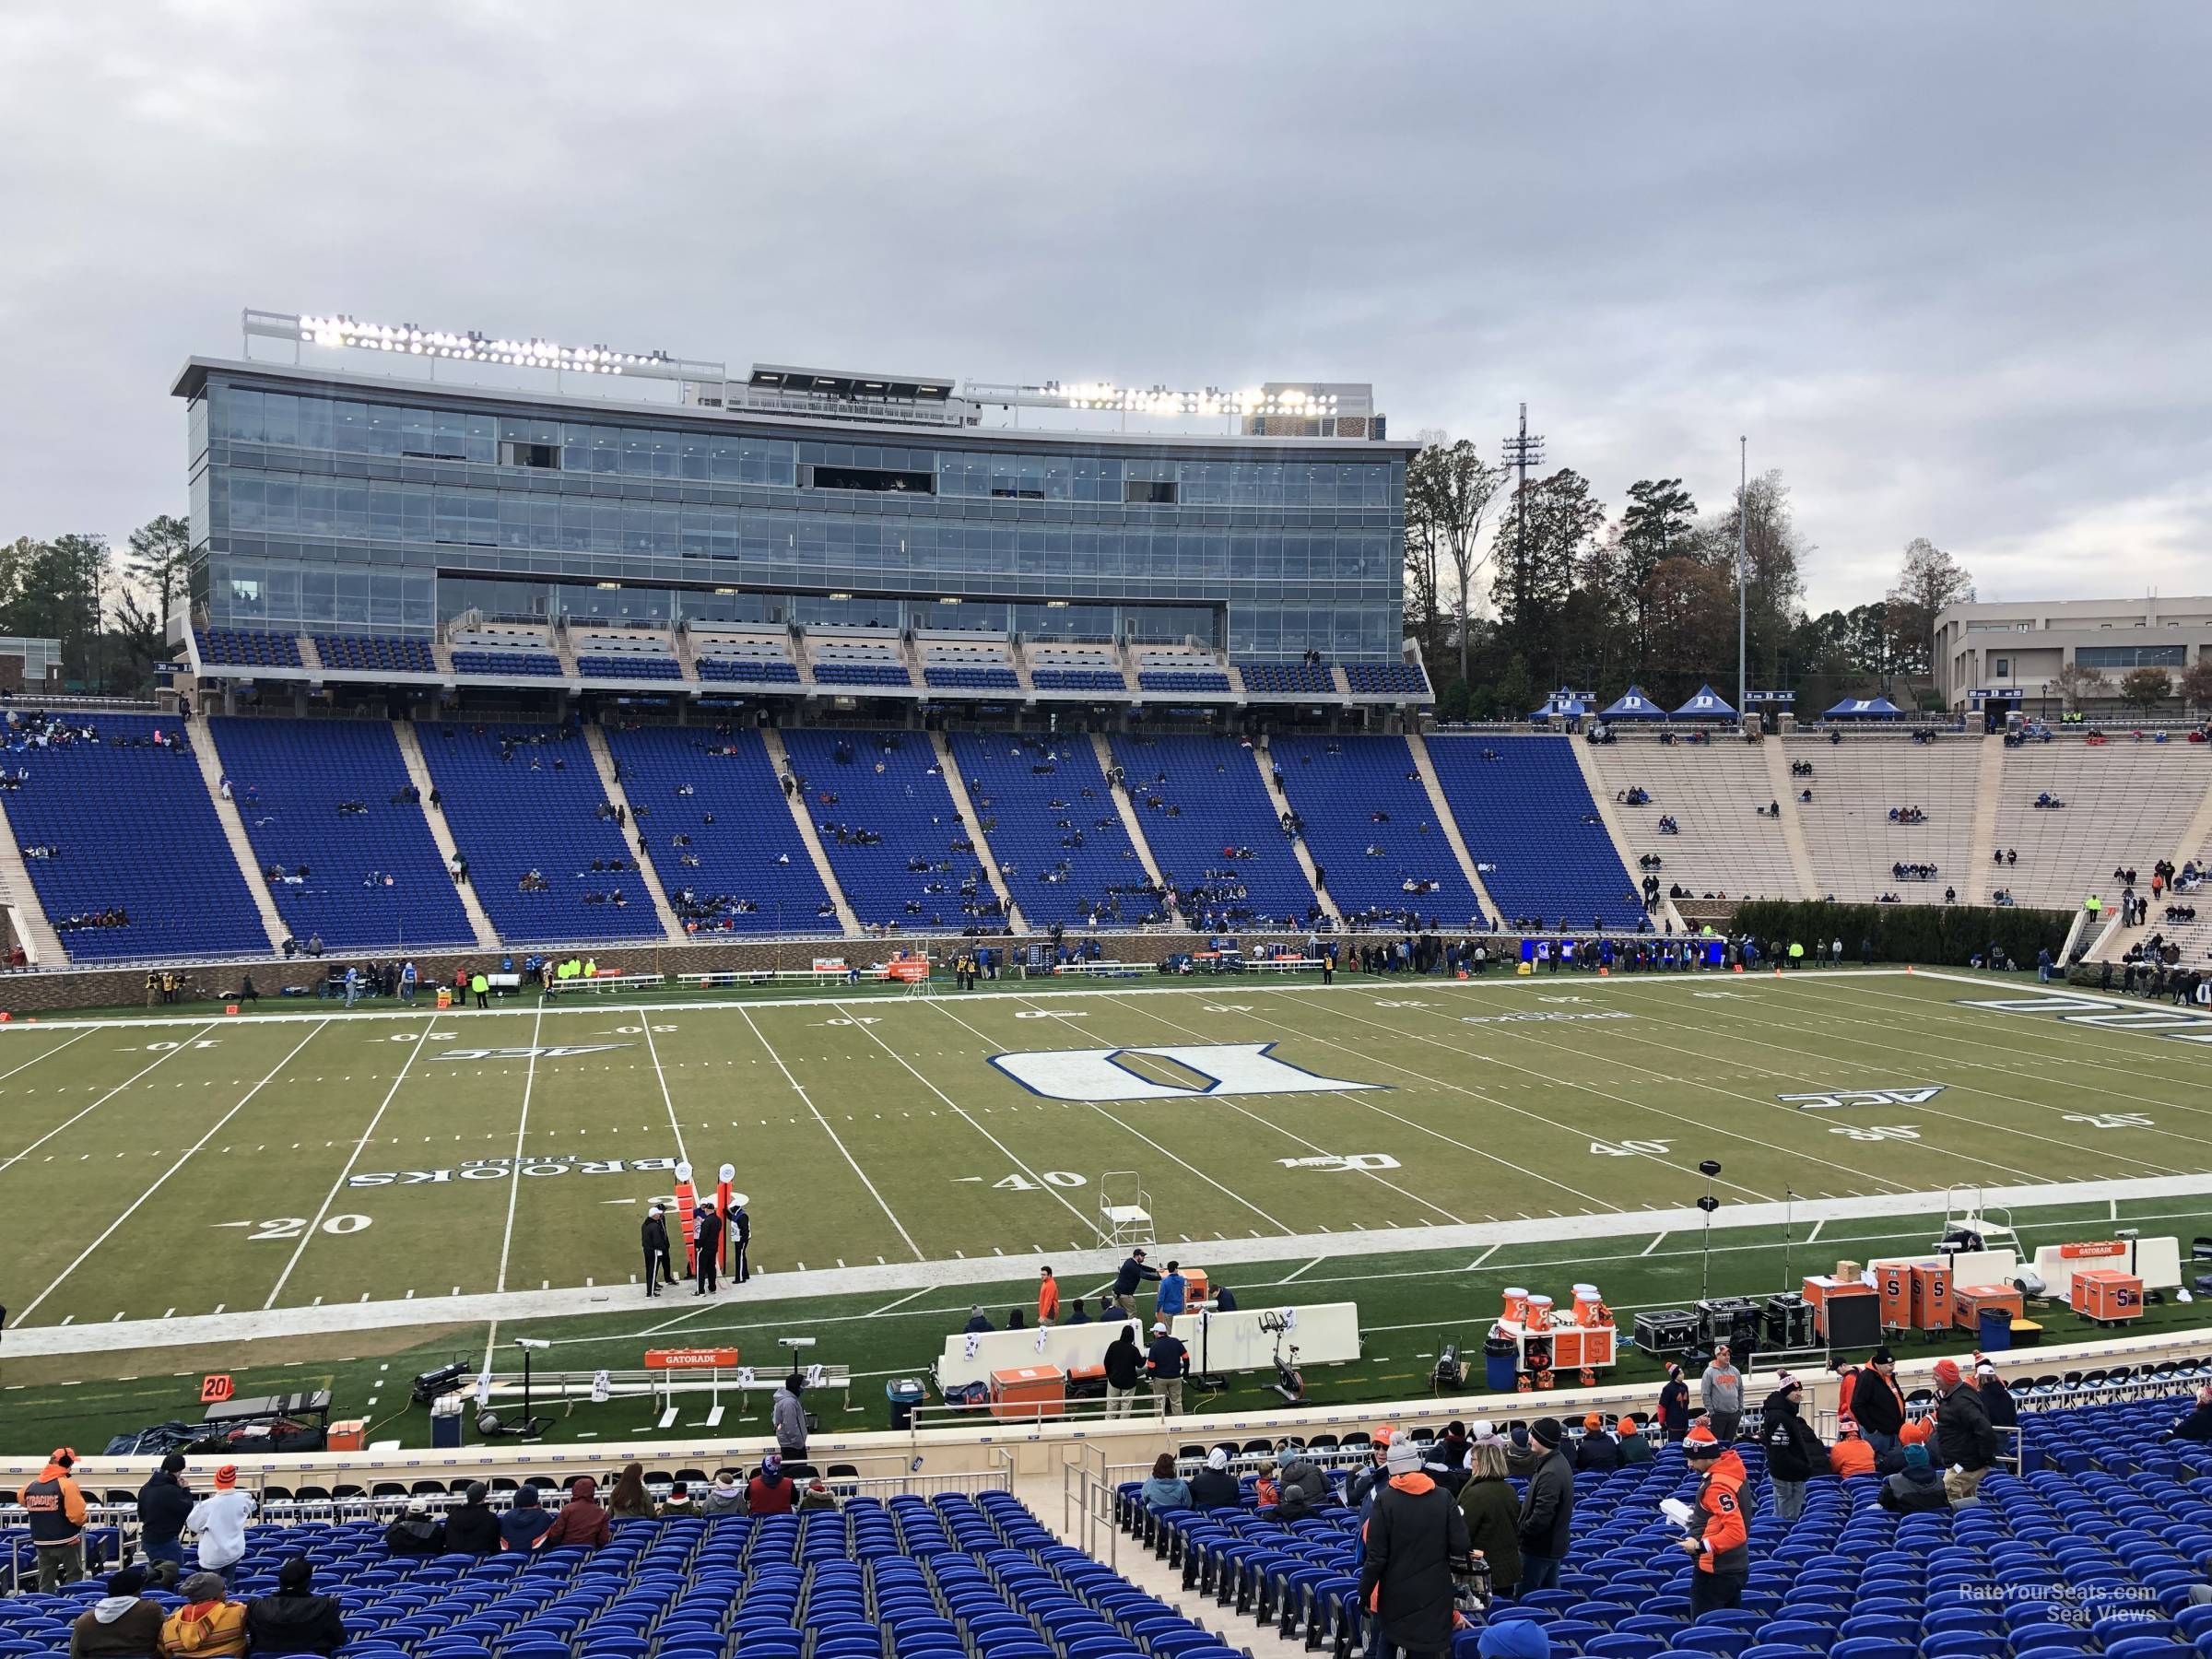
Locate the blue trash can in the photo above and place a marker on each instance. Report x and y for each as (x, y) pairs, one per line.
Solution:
(1996, 1332)
(1500, 1364)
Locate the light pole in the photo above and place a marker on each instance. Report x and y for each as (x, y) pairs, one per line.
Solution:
(1743, 557)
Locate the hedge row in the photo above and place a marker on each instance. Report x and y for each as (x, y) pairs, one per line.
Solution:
(1945, 935)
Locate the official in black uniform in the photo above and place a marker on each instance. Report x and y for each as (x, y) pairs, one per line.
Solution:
(707, 1245)
(653, 1235)
(741, 1238)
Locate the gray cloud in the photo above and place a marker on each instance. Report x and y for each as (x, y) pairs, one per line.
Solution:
(1944, 265)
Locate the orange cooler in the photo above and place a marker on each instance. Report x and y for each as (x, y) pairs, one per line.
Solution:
(2108, 1295)
(1029, 1391)
(1516, 1306)
(1589, 1307)
(1932, 1297)
(1970, 1301)
(1540, 1312)
(1893, 1283)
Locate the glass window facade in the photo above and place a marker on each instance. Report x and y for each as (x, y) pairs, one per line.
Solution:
(324, 506)
(2131, 656)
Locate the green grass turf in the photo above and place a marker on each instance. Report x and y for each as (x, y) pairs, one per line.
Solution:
(140, 1179)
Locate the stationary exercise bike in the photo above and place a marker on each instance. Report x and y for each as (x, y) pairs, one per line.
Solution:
(1290, 1382)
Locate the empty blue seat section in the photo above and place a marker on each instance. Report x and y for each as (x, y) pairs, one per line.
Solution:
(1202, 805)
(372, 653)
(861, 674)
(375, 879)
(634, 665)
(764, 670)
(972, 679)
(238, 648)
(543, 663)
(1055, 831)
(1279, 678)
(753, 873)
(523, 799)
(1371, 679)
(1180, 679)
(1523, 809)
(1371, 828)
(1076, 679)
(885, 819)
(131, 828)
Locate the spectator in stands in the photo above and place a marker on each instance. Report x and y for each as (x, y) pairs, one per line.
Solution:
(1879, 1403)
(1167, 1362)
(1964, 1439)
(1165, 1489)
(1721, 1388)
(787, 1412)
(1674, 1404)
(164, 1504)
(1492, 1514)
(1415, 1543)
(1793, 1449)
(415, 1532)
(1301, 1490)
(629, 1500)
(1916, 1488)
(678, 1501)
(122, 1625)
(1996, 1399)
(1634, 1448)
(525, 1521)
(1213, 1487)
(1850, 1454)
(219, 1521)
(295, 1620)
(1125, 1369)
(723, 1494)
(1547, 1507)
(2196, 1424)
(1599, 1453)
(581, 1521)
(472, 1529)
(1720, 1538)
(209, 1625)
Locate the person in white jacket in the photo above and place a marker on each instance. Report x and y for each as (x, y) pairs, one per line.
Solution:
(219, 1521)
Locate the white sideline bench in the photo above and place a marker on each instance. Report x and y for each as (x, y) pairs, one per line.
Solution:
(607, 981)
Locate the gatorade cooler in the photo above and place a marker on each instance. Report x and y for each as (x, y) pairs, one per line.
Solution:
(1589, 1307)
(1516, 1305)
(1539, 1313)
(2108, 1295)
(1932, 1297)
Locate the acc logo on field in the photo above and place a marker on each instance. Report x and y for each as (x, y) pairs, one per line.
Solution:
(1863, 1096)
(1124, 1074)
(556, 1052)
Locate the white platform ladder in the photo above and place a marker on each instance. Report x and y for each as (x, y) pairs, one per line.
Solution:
(1124, 1209)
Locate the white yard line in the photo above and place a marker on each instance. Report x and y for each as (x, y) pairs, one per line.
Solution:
(514, 1176)
(346, 1174)
(1661, 1240)
(892, 1277)
(1815, 1233)
(1309, 1267)
(844, 1152)
(966, 1116)
(159, 1180)
(667, 1099)
(172, 1053)
(49, 1054)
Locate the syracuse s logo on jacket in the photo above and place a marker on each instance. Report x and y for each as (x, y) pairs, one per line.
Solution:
(1165, 1074)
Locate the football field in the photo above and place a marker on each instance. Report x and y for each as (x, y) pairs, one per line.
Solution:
(151, 1170)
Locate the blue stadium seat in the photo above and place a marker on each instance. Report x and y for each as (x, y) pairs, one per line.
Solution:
(1199, 681)
(1525, 813)
(759, 670)
(1284, 679)
(1198, 800)
(636, 665)
(541, 664)
(371, 654)
(1372, 680)
(1076, 679)
(236, 648)
(1055, 831)
(1372, 828)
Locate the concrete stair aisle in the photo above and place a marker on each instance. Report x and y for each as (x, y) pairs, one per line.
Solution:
(41, 944)
(594, 741)
(1989, 789)
(685, 657)
(1127, 809)
(796, 801)
(418, 774)
(1443, 810)
(1142, 1567)
(1792, 827)
(311, 654)
(958, 786)
(566, 653)
(1265, 760)
(1602, 798)
(234, 832)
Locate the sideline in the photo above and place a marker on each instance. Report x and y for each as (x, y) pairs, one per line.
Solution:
(890, 1278)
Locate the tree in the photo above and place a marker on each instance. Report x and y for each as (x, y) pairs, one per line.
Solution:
(2146, 689)
(1773, 575)
(2196, 683)
(1691, 607)
(1449, 488)
(57, 589)
(1536, 576)
(1659, 521)
(2078, 684)
(1929, 580)
(161, 561)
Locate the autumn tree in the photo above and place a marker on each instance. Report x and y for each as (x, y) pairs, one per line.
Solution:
(2196, 683)
(1929, 580)
(2146, 689)
(2078, 684)
(1449, 490)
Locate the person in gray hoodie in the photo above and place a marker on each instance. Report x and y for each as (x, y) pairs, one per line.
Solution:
(122, 1625)
(787, 1411)
(1721, 1389)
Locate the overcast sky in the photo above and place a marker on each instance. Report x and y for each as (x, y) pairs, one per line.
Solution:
(1947, 266)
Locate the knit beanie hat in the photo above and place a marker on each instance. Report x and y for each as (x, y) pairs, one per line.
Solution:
(1916, 1455)
(1405, 1457)
(1547, 1431)
(1947, 1372)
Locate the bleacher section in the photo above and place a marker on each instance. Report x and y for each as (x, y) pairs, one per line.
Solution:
(372, 654)
(751, 854)
(842, 660)
(1074, 669)
(887, 785)
(624, 654)
(1178, 670)
(1385, 679)
(1358, 794)
(1199, 798)
(523, 799)
(1055, 831)
(758, 658)
(1284, 679)
(949, 1578)
(123, 825)
(968, 665)
(1717, 793)
(533, 663)
(750, 670)
(1533, 830)
(1847, 826)
(633, 666)
(2094, 1547)
(360, 880)
(235, 648)
(2128, 803)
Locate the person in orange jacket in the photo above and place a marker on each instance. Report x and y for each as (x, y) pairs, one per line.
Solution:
(56, 1508)
(1719, 1537)
(1048, 1300)
(1850, 1454)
